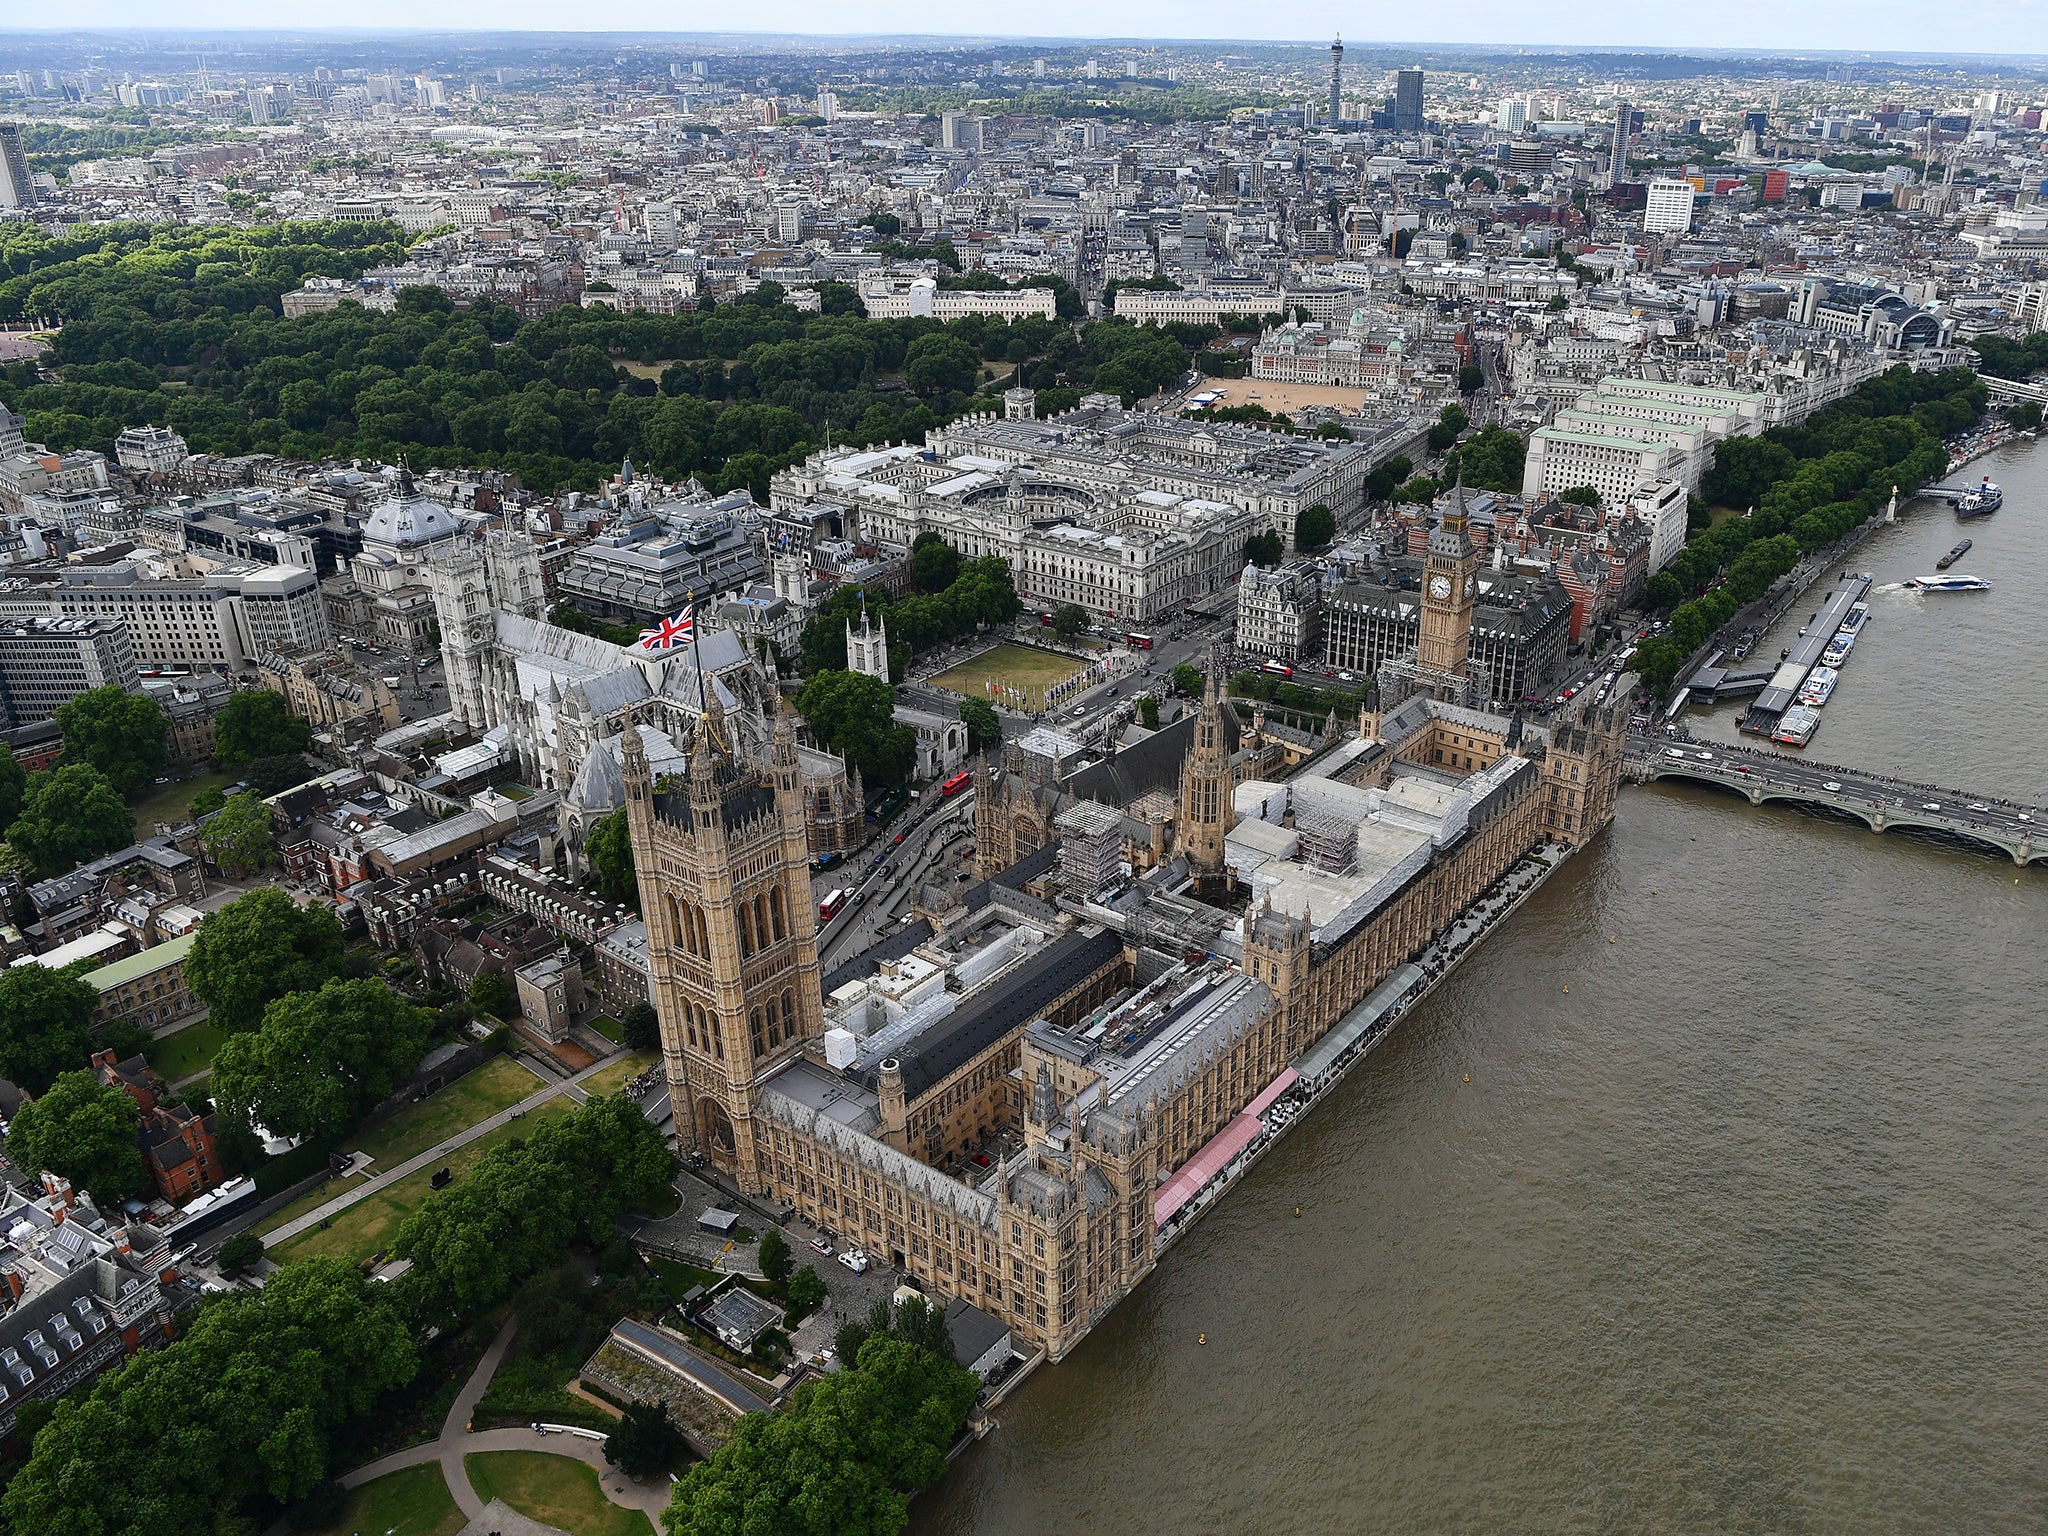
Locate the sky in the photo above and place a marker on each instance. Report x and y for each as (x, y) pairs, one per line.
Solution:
(1917, 26)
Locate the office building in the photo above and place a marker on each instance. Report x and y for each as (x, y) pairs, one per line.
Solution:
(1669, 209)
(17, 186)
(1408, 101)
(46, 662)
(218, 622)
(1336, 81)
(959, 130)
(149, 450)
(1512, 116)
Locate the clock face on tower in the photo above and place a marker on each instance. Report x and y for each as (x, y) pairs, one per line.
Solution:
(1439, 587)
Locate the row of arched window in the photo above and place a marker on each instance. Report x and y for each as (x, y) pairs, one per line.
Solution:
(761, 922)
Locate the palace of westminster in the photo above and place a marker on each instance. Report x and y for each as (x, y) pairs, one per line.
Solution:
(1012, 1097)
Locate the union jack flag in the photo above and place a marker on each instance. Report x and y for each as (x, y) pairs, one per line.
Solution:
(669, 633)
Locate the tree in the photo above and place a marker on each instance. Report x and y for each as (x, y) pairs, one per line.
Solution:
(1316, 526)
(1449, 423)
(1470, 377)
(260, 947)
(525, 1202)
(240, 1253)
(275, 775)
(122, 734)
(806, 1293)
(258, 722)
(1148, 712)
(984, 726)
(1068, 620)
(13, 781)
(44, 1020)
(934, 564)
(609, 848)
(645, 1442)
(491, 993)
(1187, 680)
(243, 1403)
(239, 838)
(321, 1059)
(940, 363)
(68, 815)
(843, 1455)
(1264, 550)
(640, 1028)
(854, 715)
(775, 1260)
(83, 1132)
(1580, 496)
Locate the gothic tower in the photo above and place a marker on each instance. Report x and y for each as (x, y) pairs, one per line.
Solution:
(1205, 789)
(459, 583)
(1450, 587)
(868, 650)
(731, 931)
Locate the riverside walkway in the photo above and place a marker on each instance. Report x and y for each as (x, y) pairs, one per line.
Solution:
(1883, 804)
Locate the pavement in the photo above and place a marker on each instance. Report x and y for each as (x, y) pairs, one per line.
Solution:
(313, 1218)
(456, 1442)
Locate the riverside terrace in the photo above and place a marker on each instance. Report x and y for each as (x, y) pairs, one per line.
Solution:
(1880, 803)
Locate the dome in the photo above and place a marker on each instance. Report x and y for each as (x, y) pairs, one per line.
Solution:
(409, 520)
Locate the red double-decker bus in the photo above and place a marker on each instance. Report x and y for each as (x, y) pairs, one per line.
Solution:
(1138, 642)
(1276, 668)
(830, 907)
(955, 784)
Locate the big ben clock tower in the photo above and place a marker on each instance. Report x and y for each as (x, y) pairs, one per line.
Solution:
(1450, 587)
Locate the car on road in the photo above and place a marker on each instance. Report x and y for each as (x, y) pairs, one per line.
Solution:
(899, 839)
(1980, 807)
(2026, 815)
(855, 1260)
(1706, 757)
(1930, 805)
(1673, 752)
(819, 1245)
(1831, 787)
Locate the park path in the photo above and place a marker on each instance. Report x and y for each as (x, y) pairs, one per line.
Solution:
(456, 1443)
(569, 1085)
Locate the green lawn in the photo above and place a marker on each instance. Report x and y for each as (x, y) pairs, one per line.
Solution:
(497, 1084)
(475, 1096)
(411, 1502)
(173, 802)
(610, 1028)
(1015, 666)
(677, 1277)
(188, 1051)
(556, 1490)
(367, 1227)
(612, 1078)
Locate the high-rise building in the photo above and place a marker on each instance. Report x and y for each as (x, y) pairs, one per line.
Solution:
(1669, 208)
(1337, 81)
(1625, 119)
(959, 130)
(1408, 101)
(17, 188)
(1512, 116)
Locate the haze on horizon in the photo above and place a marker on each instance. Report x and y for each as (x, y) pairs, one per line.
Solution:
(1885, 26)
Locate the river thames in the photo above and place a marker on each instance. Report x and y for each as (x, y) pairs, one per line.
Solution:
(1706, 1196)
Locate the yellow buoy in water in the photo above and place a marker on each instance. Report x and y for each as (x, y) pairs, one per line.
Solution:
(1567, 989)
(1201, 1338)
(1468, 1077)
(1297, 1210)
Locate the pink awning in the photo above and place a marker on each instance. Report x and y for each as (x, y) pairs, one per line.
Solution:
(1199, 1170)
